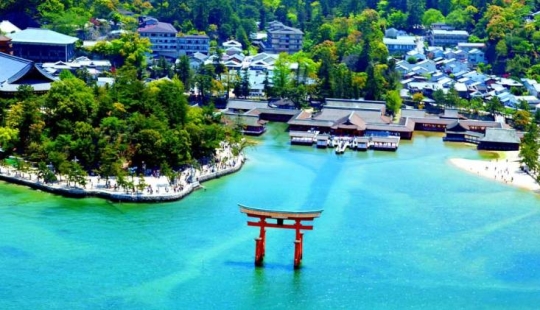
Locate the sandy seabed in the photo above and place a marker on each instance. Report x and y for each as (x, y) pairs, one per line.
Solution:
(505, 170)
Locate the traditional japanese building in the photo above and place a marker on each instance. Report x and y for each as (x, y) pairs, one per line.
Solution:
(251, 124)
(17, 71)
(500, 139)
(43, 45)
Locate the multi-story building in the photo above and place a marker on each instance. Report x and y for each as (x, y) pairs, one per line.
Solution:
(283, 38)
(162, 36)
(191, 44)
(166, 41)
(447, 37)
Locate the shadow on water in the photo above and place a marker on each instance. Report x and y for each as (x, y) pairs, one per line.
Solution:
(13, 252)
(242, 264)
(524, 268)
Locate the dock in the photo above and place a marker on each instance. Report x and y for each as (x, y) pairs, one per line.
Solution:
(341, 143)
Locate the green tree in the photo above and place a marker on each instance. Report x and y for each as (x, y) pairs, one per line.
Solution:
(398, 19)
(432, 16)
(522, 119)
(183, 69)
(393, 102)
(415, 10)
(494, 105)
(529, 149)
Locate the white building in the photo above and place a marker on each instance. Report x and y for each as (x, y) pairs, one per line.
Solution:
(447, 37)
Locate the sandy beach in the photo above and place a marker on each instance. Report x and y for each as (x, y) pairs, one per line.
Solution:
(506, 170)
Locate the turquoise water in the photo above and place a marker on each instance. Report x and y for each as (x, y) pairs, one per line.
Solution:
(399, 230)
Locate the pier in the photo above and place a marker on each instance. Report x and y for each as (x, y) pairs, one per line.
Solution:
(384, 142)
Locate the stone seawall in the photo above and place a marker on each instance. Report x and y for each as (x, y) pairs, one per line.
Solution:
(118, 196)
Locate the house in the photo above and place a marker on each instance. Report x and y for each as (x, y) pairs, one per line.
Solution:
(17, 71)
(94, 67)
(400, 45)
(500, 139)
(283, 39)
(435, 52)
(453, 66)
(233, 51)
(257, 82)
(262, 61)
(391, 33)
(195, 60)
(476, 57)
(532, 101)
(466, 46)
(508, 83)
(424, 66)
(455, 54)
(416, 54)
(162, 36)
(43, 45)
(234, 62)
(532, 86)
(232, 43)
(439, 37)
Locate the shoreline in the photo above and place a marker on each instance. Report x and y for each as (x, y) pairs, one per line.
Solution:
(158, 188)
(505, 170)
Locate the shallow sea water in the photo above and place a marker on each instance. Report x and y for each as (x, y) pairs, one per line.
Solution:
(403, 230)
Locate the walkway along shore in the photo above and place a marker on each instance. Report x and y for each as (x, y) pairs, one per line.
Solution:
(158, 188)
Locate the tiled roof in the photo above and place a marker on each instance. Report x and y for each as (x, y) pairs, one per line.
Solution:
(501, 135)
(246, 104)
(13, 68)
(160, 28)
(44, 36)
(278, 27)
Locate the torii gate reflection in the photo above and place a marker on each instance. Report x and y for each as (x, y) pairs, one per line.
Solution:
(280, 218)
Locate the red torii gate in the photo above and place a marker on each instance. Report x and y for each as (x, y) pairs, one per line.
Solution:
(280, 217)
